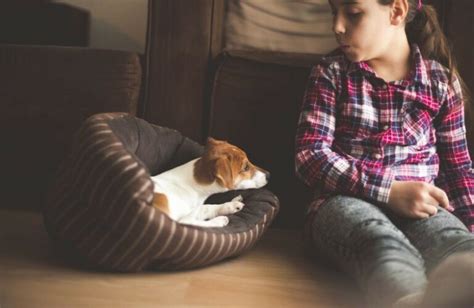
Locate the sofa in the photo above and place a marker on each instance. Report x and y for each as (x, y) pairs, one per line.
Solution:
(46, 93)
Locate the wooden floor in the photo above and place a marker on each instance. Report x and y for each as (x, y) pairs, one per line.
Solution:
(274, 274)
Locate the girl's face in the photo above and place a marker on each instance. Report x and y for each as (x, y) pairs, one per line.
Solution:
(362, 28)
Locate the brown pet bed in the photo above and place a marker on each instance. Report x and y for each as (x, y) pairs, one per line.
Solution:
(100, 207)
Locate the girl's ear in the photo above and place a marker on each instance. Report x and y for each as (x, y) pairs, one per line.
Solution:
(398, 12)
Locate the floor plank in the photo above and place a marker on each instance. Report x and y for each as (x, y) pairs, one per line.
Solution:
(276, 273)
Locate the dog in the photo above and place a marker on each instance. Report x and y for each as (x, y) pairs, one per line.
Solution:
(182, 191)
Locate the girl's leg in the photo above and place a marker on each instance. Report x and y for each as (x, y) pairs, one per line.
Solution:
(448, 250)
(360, 239)
(437, 237)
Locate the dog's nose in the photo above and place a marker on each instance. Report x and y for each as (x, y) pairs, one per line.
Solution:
(267, 176)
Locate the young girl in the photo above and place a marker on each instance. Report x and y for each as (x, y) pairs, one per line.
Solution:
(382, 138)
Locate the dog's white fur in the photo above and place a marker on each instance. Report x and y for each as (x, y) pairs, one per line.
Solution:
(181, 192)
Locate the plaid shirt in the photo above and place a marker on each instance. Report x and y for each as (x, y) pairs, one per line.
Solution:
(358, 133)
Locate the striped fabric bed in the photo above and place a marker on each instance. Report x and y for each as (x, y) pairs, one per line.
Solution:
(100, 206)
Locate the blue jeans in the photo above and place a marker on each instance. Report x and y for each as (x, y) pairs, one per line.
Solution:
(388, 256)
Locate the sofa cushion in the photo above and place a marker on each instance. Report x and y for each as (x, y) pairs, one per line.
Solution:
(275, 25)
(46, 93)
(255, 103)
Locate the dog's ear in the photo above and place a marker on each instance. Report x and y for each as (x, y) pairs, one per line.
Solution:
(223, 172)
(212, 142)
(212, 146)
(204, 170)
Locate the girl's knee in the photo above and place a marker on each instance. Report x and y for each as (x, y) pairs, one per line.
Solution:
(341, 216)
(447, 242)
(450, 218)
(350, 209)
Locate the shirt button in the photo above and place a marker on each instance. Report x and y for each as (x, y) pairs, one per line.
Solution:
(384, 86)
(377, 156)
(385, 127)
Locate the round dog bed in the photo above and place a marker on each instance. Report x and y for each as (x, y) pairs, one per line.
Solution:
(100, 206)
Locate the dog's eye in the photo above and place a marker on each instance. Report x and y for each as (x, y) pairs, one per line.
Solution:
(246, 167)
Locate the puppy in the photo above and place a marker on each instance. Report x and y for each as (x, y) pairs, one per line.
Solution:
(181, 192)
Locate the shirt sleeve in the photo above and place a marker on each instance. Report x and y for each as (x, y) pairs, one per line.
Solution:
(455, 177)
(316, 162)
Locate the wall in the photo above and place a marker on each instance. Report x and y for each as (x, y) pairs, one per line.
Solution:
(116, 24)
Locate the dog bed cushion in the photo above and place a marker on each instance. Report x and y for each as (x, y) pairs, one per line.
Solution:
(100, 206)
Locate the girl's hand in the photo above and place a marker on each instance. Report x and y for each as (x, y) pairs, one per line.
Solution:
(416, 199)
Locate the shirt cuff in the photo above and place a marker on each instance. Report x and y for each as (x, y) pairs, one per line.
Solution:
(380, 190)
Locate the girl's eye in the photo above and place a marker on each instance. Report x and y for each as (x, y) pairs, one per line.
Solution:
(353, 14)
(350, 14)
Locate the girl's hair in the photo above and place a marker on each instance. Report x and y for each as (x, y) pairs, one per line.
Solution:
(422, 27)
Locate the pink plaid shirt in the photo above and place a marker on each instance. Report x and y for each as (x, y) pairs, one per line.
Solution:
(358, 133)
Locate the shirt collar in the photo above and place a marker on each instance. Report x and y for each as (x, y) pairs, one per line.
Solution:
(418, 73)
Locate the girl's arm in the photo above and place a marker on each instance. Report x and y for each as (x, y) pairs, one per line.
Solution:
(316, 163)
(456, 176)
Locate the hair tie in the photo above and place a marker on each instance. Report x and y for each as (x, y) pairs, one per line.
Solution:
(418, 8)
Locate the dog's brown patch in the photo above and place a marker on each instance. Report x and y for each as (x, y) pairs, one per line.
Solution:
(160, 201)
(224, 163)
(204, 170)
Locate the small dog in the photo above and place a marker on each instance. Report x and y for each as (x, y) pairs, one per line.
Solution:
(181, 192)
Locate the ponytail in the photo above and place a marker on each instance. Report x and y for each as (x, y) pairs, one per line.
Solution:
(422, 28)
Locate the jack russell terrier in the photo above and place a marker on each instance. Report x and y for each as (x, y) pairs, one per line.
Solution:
(181, 191)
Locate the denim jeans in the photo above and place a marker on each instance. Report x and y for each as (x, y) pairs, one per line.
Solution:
(388, 256)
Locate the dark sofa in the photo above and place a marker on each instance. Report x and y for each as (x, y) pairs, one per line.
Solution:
(47, 92)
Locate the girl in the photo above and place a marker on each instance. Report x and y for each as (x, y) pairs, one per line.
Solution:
(381, 136)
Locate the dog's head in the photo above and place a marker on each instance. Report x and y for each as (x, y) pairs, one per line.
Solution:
(229, 167)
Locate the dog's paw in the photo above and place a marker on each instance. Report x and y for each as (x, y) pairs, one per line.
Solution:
(238, 198)
(219, 221)
(232, 207)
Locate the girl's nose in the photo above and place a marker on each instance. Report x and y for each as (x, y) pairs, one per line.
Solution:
(338, 25)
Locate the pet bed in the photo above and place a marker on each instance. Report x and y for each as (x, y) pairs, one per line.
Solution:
(100, 206)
